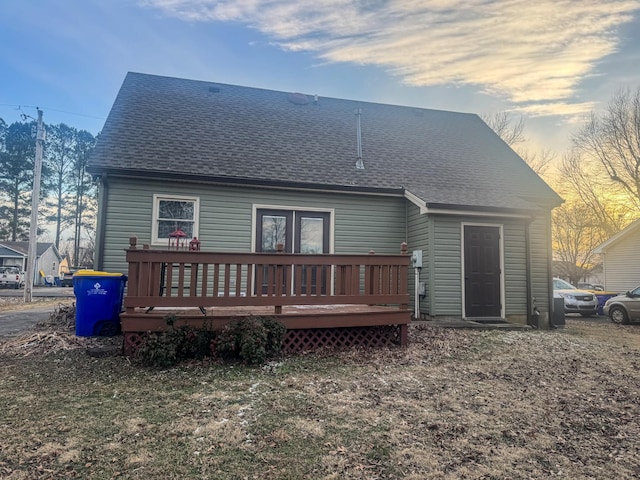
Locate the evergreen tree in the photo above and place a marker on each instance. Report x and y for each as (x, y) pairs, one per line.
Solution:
(17, 156)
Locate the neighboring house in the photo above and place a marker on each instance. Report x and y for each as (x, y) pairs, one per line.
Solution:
(245, 168)
(47, 259)
(64, 265)
(621, 259)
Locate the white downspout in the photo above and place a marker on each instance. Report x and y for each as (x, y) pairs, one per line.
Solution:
(416, 262)
(416, 307)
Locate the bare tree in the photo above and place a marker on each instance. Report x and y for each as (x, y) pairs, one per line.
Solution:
(585, 183)
(612, 140)
(539, 162)
(592, 213)
(576, 233)
(511, 131)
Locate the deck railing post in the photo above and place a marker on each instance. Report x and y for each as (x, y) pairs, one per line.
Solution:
(370, 278)
(404, 287)
(278, 279)
(133, 269)
(403, 273)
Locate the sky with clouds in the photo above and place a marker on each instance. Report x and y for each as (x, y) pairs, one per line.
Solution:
(552, 61)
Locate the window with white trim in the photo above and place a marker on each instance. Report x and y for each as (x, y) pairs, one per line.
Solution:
(174, 212)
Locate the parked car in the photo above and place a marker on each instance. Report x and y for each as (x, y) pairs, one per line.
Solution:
(11, 277)
(575, 300)
(592, 287)
(623, 309)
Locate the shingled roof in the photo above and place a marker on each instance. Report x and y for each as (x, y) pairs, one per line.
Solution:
(170, 127)
(22, 248)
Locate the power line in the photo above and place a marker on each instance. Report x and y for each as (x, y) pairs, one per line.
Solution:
(18, 107)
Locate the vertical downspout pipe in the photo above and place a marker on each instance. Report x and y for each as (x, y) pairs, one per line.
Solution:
(102, 219)
(550, 306)
(416, 291)
(527, 249)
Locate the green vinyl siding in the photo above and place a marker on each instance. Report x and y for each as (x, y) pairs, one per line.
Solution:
(362, 222)
(515, 268)
(447, 267)
(447, 264)
(418, 239)
(540, 234)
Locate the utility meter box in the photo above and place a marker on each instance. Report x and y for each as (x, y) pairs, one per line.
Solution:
(416, 259)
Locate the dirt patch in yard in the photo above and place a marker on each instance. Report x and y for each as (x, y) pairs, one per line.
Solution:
(454, 404)
(18, 304)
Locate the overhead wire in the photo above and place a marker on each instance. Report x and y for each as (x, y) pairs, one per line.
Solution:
(19, 107)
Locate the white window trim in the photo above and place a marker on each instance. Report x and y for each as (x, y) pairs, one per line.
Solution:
(154, 220)
(254, 219)
(293, 209)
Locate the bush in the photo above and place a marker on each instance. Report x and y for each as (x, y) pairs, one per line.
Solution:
(250, 339)
(276, 332)
(158, 350)
(165, 349)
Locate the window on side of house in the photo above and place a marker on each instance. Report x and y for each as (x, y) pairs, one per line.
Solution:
(174, 212)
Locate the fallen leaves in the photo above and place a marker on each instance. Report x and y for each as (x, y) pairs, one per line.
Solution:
(454, 404)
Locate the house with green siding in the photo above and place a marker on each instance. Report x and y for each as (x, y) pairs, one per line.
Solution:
(243, 169)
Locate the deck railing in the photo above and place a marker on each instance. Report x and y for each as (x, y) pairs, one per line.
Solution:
(187, 279)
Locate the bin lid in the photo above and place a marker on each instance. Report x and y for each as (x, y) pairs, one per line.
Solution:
(96, 273)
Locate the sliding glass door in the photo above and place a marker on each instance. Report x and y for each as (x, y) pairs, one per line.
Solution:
(299, 231)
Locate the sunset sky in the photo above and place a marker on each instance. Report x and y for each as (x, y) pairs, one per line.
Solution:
(552, 61)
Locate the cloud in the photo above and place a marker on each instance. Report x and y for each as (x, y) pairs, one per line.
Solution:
(521, 50)
(574, 110)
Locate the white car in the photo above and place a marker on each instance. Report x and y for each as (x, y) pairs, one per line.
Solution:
(11, 277)
(576, 301)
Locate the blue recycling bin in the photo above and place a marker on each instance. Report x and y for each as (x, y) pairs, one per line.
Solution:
(98, 302)
(602, 299)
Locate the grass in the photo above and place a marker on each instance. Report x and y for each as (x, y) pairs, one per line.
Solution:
(455, 404)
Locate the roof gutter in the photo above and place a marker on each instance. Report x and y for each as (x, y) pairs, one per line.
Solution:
(466, 210)
(235, 181)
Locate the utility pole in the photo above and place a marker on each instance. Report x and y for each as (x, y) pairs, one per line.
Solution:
(35, 200)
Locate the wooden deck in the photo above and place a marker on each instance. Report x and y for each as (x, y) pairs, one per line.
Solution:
(305, 292)
(293, 317)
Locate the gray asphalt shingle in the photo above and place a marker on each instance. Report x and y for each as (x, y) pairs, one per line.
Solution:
(23, 247)
(161, 125)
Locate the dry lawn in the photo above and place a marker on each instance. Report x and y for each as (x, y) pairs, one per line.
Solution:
(17, 303)
(454, 405)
